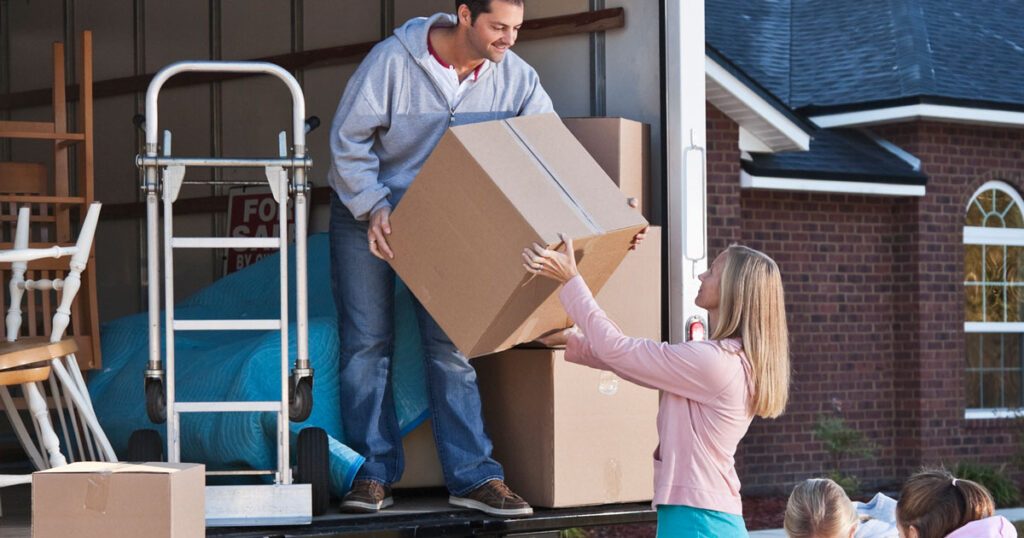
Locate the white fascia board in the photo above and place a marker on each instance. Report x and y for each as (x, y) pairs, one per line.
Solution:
(800, 139)
(956, 114)
(748, 181)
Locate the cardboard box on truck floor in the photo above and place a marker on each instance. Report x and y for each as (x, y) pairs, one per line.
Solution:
(101, 500)
(568, 435)
(487, 191)
(622, 148)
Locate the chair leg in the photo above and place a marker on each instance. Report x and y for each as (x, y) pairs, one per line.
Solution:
(19, 428)
(91, 443)
(67, 440)
(37, 407)
(81, 399)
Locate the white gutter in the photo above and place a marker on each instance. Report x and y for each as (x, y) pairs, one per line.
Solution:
(922, 112)
(751, 111)
(748, 181)
(685, 136)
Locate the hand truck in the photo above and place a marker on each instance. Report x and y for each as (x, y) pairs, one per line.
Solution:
(284, 502)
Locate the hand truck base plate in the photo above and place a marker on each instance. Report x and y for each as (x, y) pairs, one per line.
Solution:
(278, 504)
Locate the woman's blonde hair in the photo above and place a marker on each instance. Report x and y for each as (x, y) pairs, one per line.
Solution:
(752, 307)
(935, 503)
(819, 508)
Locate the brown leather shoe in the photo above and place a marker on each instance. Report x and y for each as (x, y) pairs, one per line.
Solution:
(367, 497)
(494, 498)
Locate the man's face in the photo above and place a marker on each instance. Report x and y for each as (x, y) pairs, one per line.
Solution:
(494, 32)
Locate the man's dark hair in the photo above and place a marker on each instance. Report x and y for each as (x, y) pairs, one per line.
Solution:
(476, 7)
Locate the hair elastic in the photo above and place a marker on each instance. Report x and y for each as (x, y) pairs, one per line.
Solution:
(954, 482)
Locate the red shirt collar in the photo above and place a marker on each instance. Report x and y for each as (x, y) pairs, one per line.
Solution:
(430, 47)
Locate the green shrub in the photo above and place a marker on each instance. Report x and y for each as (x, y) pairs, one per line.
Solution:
(843, 442)
(1003, 490)
(849, 483)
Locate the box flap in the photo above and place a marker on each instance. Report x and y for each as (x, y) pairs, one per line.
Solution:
(565, 158)
(111, 468)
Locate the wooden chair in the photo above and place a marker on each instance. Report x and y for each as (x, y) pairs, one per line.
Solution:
(59, 199)
(29, 362)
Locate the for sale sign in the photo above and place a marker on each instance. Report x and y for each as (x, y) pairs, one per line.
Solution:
(254, 214)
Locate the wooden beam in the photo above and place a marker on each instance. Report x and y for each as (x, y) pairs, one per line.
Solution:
(576, 23)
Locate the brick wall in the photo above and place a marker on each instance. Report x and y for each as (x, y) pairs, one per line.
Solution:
(874, 304)
(958, 160)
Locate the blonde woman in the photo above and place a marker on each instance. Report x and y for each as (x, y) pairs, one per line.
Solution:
(819, 508)
(935, 504)
(711, 390)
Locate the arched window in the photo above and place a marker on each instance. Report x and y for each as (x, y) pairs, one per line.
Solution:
(994, 305)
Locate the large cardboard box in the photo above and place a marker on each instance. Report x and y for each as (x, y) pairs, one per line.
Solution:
(568, 435)
(632, 296)
(622, 147)
(487, 191)
(102, 500)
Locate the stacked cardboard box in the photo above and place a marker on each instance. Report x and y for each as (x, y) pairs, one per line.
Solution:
(568, 435)
(622, 148)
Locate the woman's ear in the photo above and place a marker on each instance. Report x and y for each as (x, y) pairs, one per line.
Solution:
(912, 532)
(853, 530)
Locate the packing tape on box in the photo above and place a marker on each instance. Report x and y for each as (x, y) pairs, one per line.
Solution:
(612, 479)
(573, 203)
(96, 492)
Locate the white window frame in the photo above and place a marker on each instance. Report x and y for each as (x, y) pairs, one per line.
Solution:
(978, 235)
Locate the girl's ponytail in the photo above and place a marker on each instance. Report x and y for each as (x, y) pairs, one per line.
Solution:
(936, 503)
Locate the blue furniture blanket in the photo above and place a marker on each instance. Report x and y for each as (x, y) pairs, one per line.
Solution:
(244, 365)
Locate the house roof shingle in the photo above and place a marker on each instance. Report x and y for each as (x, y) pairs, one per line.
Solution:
(824, 54)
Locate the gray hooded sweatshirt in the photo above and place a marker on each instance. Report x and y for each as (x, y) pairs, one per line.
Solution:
(393, 113)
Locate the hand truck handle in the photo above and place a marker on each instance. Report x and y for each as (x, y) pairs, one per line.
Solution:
(298, 104)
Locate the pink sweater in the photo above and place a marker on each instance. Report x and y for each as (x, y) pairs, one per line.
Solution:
(704, 404)
(990, 527)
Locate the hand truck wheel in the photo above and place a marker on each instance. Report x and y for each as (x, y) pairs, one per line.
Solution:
(156, 401)
(145, 445)
(314, 467)
(300, 399)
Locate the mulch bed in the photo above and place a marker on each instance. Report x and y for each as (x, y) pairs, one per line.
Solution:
(763, 512)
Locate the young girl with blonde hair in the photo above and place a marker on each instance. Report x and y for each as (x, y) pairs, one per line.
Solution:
(819, 508)
(711, 390)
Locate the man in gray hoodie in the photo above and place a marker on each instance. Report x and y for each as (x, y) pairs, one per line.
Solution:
(433, 73)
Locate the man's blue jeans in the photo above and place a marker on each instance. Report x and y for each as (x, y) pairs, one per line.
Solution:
(363, 287)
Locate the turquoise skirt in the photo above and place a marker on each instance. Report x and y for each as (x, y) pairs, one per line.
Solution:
(686, 521)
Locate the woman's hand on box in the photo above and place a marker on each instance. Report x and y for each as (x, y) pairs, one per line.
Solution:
(554, 264)
(557, 337)
(638, 238)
